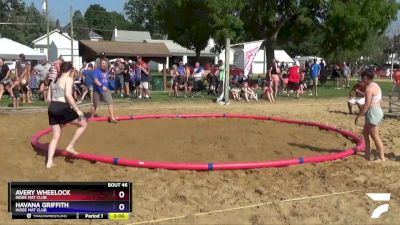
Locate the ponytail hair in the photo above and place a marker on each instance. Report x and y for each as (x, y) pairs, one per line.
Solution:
(64, 67)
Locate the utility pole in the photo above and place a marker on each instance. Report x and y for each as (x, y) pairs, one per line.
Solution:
(72, 37)
(227, 61)
(48, 29)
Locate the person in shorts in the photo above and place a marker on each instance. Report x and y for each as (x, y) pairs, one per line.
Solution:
(346, 75)
(294, 79)
(89, 80)
(101, 90)
(396, 83)
(5, 79)
(63, 110)
(356, 96)
(144, 79)
(314, 75)
(373, 113)
(42, 71)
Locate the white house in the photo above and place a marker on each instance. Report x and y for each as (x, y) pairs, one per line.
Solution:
(60, 44)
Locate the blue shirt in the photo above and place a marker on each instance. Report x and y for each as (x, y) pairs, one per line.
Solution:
(315, 69)
(181, 70)
(102, 77)
(89, 80)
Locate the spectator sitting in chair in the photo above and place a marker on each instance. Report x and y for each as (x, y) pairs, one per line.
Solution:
(356, 96)
(198, 74)
(182, 82)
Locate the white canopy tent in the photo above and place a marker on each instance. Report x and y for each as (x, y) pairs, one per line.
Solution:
(11, 50)
(282, 56)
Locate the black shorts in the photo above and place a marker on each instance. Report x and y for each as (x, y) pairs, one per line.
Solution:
(61, 113)
(293, 86)
(127, 78)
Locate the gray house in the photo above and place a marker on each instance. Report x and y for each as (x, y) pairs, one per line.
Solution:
(130, 36)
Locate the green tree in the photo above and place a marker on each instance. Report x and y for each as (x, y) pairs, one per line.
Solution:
(191, 23)
(344, 25)
(104, 22)
(81, 30)
(226, 22)
(141, 15)
(187, 22)
(18, 12)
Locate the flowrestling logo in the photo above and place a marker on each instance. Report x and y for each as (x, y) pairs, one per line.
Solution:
(380, 197)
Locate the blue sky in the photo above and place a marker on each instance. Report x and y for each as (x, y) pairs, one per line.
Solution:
(59, 9)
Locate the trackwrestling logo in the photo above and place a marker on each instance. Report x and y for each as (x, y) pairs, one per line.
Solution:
(382, 208)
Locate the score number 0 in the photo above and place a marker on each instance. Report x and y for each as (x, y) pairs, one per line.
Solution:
(121, 195)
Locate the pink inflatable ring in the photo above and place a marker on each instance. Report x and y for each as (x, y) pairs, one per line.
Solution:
(360, 145)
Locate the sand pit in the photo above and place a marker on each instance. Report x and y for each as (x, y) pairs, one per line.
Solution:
(205, 140)
(164, 193)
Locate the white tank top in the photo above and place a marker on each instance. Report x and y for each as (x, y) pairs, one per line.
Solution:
(378, 97)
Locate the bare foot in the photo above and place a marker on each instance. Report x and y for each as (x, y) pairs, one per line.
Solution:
(50, 165)
(72, 151)
(379, 161)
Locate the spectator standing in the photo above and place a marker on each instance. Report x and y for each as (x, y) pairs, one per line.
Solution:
(198, 74)
(274, 76)
(221, 78)
(42, 70)
(396, 83)
(89, 80)
(346, 75)
(173, 81)
(314, 74)
(294, 79)
(119, 67)
(6, 82)
(182, 82)
(144, 78)
(101, 90)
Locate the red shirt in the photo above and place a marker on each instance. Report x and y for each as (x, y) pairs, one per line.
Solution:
(294, 74)
(396, 77)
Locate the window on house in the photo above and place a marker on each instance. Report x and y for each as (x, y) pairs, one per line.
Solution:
(42, 50)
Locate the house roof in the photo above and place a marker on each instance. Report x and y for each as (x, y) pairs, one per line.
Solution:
(50, 33)
(178, 50)
(91, 49)
(95, 35)
(130, 36)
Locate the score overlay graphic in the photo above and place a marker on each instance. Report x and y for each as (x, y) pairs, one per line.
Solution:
(70, 200)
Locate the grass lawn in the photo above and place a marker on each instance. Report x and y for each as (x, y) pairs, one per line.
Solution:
(326, 91)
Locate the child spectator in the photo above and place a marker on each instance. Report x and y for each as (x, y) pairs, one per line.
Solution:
(269, 92)
(249, 92)
(235, 90)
